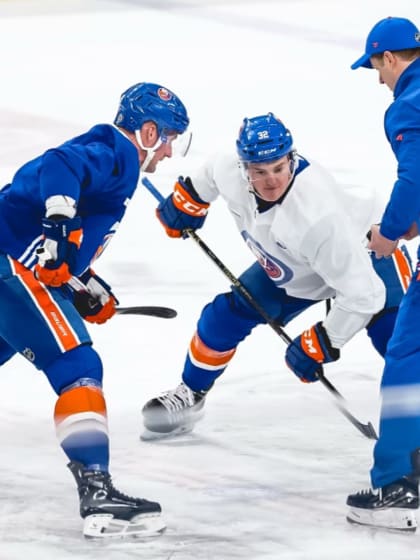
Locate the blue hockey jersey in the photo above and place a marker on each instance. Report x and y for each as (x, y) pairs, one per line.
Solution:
(402, 127)
(98, 169)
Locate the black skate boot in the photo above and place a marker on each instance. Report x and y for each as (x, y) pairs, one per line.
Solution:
(110, 513)
(172, 413)
(390, 507)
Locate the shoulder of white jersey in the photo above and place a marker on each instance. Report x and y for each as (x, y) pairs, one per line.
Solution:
(362, 205)
(225, 161)
(317, 204)
(220, 174)
(324, 182)
(315, 185)
(316, 169)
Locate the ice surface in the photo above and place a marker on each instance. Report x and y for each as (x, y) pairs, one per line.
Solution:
(266, 474)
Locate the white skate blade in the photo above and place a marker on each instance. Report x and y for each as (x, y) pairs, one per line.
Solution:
(104, 526)
(396, 519)
(148, 435)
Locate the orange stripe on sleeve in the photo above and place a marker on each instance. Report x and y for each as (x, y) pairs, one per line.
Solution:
(402, 267)
(207, 356)
(63, 331)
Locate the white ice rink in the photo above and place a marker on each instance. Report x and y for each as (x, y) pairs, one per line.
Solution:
(266, 474)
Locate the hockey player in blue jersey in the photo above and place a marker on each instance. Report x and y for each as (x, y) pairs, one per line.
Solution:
(56, 217)
(294, 217)
(393, 50)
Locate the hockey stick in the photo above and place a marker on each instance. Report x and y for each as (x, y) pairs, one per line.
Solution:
(366, 429)
(151, 310)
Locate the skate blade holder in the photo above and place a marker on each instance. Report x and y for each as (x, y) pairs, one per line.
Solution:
(149, 435)
(391, 519)
(104, 526)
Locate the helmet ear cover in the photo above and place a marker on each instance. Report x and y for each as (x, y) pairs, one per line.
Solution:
(151, 102)
(263, 139)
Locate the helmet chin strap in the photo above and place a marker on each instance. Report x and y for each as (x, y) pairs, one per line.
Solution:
(293, 164)
(150, 152)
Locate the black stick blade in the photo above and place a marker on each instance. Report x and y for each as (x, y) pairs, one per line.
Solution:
(151, 310)
(366, 429)
(370, 431)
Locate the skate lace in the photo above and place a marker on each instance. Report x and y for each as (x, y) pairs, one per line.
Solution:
(109, 490)
(178, 398)
(120, 495)
(365, 492)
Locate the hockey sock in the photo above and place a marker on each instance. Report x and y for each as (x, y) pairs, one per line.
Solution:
(203, 364)
(81, 425)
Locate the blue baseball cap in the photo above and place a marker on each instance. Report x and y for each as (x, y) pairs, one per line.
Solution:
(389, 34)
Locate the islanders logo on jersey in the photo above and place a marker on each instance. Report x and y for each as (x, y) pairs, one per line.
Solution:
(279, 272)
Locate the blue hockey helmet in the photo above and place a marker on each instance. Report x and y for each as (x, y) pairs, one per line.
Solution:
(263, 139)
(151, 102)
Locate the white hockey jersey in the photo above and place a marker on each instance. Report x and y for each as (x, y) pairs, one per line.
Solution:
(312, 244)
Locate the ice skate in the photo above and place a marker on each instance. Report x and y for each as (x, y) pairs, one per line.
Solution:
(390, 507)
(173, 413)
(109, 513)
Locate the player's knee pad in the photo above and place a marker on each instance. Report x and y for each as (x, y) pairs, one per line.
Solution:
(225, 322)
(380, 329)
(80, 363)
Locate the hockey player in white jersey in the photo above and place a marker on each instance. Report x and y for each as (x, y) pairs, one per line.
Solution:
(308, 235)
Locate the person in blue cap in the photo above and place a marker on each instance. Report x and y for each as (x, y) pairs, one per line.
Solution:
(393, 49)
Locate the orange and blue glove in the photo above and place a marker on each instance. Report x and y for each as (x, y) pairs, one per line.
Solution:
(183, 209)
(97, 303)
(58, 252)
(309, 351)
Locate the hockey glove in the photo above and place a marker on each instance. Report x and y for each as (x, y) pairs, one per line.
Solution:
(96, 304)
(308, 351)
(57, 255)
(182, 209)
